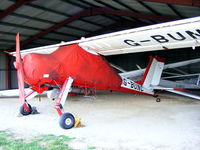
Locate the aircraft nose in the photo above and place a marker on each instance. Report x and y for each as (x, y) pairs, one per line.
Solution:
(40, 66)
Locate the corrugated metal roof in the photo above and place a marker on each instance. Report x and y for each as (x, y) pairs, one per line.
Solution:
(188, 11)
(161, 9)
(32, 17)
(4, 4)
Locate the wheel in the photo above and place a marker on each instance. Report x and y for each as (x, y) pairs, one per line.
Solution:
(67, 121)
(24, 112)
(158, 100)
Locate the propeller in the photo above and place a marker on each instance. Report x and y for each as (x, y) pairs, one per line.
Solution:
(20, 72)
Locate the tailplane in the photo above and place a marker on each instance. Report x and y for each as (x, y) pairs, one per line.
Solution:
(152, 74)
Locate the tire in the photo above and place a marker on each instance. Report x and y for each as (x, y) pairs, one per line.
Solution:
(67, 121)
(24, 112)
(158, 100)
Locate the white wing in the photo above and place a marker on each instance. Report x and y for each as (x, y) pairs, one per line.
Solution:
(170, 35)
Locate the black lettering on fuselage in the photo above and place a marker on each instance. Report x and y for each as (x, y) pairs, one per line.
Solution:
(130, 84)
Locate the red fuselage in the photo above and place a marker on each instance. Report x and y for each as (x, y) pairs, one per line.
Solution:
(87, 69)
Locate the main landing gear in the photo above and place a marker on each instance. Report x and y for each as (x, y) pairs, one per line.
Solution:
(67, 120)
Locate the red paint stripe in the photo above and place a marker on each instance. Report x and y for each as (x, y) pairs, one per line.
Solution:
(26, 107)
(160, 59)
(29, 94)
(177, 89)
(59, 111)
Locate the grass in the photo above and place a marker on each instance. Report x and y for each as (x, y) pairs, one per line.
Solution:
(44, 142)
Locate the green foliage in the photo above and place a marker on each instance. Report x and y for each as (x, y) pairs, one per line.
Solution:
(45, 142)
(91, 148)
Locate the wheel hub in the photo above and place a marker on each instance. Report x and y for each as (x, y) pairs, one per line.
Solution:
(68, 121)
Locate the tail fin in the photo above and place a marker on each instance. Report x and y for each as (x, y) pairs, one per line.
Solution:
(153, 72)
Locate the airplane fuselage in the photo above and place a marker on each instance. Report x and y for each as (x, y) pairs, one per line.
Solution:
(87, 69)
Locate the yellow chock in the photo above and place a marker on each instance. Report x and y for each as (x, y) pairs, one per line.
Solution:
(78, 123)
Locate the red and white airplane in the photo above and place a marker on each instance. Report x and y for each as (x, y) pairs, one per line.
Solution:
(79, 64)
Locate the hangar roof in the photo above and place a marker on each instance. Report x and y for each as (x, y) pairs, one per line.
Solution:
(42, 22)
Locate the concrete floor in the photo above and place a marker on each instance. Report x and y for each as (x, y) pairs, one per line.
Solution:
(114, 121)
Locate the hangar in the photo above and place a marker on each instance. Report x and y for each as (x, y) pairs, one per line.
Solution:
(135, 122)
(43, 22)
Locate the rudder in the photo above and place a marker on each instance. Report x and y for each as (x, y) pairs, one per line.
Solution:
(153, 72)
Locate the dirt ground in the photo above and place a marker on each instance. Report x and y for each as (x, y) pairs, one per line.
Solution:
(113, 121)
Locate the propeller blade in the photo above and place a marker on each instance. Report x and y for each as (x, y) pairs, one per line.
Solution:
(18, 56)
(20, 72)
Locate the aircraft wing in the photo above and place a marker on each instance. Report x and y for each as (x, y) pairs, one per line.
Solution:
(164, 36)
(139, 72)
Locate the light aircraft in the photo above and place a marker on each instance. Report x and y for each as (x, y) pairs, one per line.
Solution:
(60, 68)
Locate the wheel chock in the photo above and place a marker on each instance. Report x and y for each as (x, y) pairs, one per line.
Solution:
(78, 123)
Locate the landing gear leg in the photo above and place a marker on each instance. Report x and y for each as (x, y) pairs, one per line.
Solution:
(67, 120)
